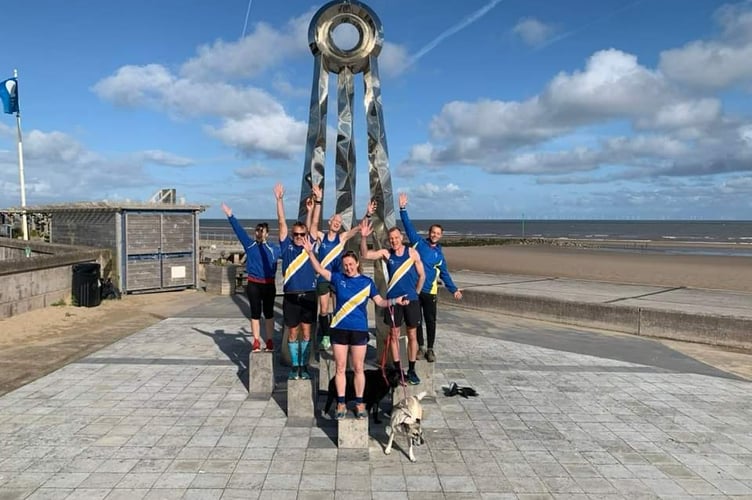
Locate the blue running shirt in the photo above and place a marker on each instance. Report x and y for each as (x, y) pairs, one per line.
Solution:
(352, 297)
(330, 254)
(297, 272)
(403, 278)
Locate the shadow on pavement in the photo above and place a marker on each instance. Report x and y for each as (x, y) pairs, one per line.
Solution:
(235, 346)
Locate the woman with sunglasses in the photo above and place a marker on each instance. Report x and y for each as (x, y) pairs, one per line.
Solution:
(349, 327)
(261, 268)
(299, 285)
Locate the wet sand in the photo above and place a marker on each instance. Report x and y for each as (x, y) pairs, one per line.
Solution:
(696, 271)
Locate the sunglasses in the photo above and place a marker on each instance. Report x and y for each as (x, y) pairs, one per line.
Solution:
(299, 234)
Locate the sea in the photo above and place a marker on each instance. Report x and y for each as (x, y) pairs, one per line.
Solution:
(674, 236)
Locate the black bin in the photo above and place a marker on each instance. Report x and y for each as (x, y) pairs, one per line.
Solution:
(86, 291)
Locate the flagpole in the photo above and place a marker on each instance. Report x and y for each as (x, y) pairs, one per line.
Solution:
(21, 170)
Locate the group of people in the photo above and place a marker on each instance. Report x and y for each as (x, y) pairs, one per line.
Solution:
(315, 267)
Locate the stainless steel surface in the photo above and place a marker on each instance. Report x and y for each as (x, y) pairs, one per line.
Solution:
(345, 154)
(315, 155)
(361, 58)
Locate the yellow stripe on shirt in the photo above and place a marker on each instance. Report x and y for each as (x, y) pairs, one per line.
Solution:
(295, 266)
(435, 284)
(333, 254)
(351, 304)
(399, 273)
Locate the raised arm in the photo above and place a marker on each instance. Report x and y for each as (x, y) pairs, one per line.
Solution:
(325, 273)
(309, 215)
(418, 267)
(317, 196)
(241, 233)
(365, 253)
(356, 229)
(412, 234)
(279, 194)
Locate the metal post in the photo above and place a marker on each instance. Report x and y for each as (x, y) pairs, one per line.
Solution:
(24, 223)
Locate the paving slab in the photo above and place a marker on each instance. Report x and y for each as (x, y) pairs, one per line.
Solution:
(562, 412)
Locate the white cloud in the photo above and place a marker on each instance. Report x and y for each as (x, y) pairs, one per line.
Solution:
(252, 120)
(253, 171)
(715, 64)
(431, 191)
(549, 162)
(250, 56)
(708, 64)
(678, 133)
(155, 87)
(532, 31)
(277, 136)
(393, 60)
(697, 113)
(165, 158)
(59, 168)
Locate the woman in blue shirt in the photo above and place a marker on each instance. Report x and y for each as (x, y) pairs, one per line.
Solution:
(349, 327)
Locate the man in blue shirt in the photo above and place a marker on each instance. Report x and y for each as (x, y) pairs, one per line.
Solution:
(406, 278)
(261, 267)
(435, 267)
(299, 278)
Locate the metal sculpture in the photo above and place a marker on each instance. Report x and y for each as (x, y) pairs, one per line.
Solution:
(345, 63)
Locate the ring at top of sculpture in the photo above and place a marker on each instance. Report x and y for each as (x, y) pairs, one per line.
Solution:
(365, 21)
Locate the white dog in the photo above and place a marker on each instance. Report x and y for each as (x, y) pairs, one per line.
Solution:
(406, 417)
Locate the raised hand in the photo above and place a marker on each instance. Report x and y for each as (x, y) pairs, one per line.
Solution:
(227, 210)
(365, 228)
(318, 194)
(309, 203)
(279, 191)
(402, 200)
(307, 244)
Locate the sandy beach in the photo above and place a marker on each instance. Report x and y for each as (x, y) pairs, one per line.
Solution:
(696, 271)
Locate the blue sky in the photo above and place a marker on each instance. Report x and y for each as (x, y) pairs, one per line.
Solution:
(493, 108)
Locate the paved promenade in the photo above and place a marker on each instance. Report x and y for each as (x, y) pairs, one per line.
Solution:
(563, 412)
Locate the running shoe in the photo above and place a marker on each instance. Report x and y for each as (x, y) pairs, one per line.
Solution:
(325, 344)
(421, 353)
(294, 374)
(430, 356)
(269, 345)
(304, 373)
(341, 411)
(360, 411)
(256, 346)
(412, 378)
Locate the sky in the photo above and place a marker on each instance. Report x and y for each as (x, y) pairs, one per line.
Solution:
(493, 109)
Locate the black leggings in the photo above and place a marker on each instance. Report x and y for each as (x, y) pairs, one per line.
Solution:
(261, 298)
(428, 307)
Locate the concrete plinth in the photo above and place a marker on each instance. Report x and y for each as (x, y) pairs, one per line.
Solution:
(261, 374)
(300, 398)
(327, 370)
(352, 433)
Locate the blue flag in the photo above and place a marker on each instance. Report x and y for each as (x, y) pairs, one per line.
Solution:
(9, 95)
